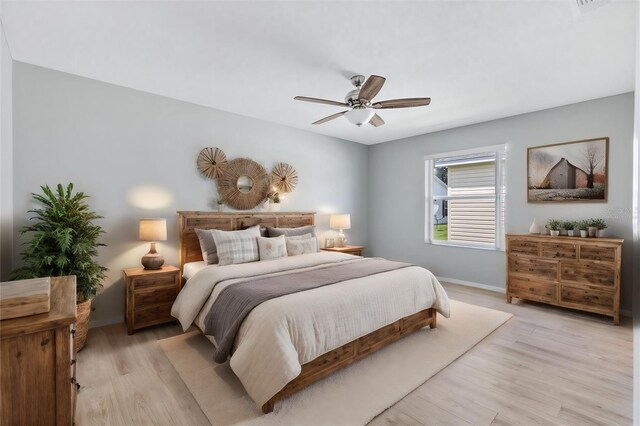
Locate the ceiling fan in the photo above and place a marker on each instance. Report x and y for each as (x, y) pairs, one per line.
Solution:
(359, 100)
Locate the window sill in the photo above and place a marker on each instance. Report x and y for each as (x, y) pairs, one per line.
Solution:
(460, 245)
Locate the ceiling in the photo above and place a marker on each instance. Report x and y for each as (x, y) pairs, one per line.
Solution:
(477, 60)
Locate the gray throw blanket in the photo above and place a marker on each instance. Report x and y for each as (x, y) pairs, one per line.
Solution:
(236, 301)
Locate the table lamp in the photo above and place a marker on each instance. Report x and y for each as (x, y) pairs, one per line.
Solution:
(341, 222)
(153, 230)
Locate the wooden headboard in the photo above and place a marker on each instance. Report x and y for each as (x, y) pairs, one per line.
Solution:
(189, 221)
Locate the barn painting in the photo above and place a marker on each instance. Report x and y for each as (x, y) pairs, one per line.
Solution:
(571, 171)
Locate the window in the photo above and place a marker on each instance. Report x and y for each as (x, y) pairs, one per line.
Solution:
(464, 200)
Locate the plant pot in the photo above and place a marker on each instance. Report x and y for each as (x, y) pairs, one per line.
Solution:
(571, 233)
(602, 233)
(220, 207)
(563, 232)
(554, 233)
(275, 207)
(83, 310)
(592, 231)
(583, 234)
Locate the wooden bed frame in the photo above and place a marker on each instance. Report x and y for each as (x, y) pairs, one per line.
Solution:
(329, 362)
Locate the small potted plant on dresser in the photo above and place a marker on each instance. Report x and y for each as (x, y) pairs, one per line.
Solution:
(65, 242)
(582, 226)
(600, 226)
(554, 227)
(592, 227)
(567, 226)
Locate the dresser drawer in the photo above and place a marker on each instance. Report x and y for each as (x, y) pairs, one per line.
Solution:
(523, 247)
(531, 289)
(155, 296)
(558, 251)
(153, 281)
(155, 314)
(596, 252)
(591, 273)
(540, 269)
(587, 298)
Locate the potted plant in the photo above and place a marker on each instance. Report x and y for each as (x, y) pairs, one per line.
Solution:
(274, 197)
(65, 242)
(591, 227)
(567, 227)
(582, 226)
(554, 227)
(220, 203)
(600, 225)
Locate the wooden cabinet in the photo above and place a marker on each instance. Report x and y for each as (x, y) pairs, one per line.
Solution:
(578, 273)
(149, 295)
(37, 375)
(355, 250)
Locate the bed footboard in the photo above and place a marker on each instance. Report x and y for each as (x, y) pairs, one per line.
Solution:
(344, 355)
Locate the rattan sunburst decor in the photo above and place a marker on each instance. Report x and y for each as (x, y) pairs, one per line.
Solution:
(284, 177)
(212, 162)
(244, 197)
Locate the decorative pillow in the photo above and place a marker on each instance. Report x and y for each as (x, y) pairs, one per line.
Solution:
(237, 246)
(289, 232)
(207, 246)
(297, 246)
(272, 248)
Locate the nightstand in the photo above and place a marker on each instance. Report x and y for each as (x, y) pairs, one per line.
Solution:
(355, 250)
(149, 295)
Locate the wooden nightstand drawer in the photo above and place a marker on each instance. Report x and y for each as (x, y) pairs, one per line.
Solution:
(149, 295)
(154, 296)
(153, 281)
(155, 314)
(354, 250)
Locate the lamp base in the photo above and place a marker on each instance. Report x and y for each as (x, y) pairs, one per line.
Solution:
(152, 260)
(341, 241)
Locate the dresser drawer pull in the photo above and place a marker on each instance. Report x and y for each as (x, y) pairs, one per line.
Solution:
(73, 361)
(73, 332)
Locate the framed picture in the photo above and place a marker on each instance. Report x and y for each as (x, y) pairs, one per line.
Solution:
(329, 243)
(570, 171)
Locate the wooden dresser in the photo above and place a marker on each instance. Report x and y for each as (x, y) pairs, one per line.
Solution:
(578, 273)
(37, 378)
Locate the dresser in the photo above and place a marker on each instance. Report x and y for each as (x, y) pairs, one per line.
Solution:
(38, 368)
(149, 296)
(578, 273)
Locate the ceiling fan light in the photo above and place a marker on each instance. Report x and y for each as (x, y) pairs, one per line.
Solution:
(359, 116)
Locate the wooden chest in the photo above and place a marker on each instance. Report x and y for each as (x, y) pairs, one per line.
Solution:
(578, 273)
(38, 373)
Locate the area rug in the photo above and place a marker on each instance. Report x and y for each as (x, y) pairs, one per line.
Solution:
(352, 396)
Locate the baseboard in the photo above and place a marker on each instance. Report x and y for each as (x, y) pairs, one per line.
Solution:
(106, 321)
(473, 284)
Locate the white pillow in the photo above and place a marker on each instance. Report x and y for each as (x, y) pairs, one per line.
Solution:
(298, 246)
(237, 246)
(272, 248)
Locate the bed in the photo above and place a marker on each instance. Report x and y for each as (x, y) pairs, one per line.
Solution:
(289, 342)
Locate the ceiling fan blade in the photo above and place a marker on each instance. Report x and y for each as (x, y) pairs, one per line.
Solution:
(319, 101)
(376, 121)
(331, 117)
(371, 87)
(402, 103)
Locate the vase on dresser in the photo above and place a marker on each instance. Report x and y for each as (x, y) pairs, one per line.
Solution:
(535, 227)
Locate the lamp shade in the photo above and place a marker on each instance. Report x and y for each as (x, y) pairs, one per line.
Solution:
(340, 221)
(153, 229)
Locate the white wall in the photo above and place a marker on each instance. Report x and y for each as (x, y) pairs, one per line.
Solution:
(396, 181)
(113, 142)
(6, 158)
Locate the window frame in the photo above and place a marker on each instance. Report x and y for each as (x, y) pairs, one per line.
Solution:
(500, 153)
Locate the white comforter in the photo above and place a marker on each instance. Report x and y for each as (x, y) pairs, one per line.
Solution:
(281, 334)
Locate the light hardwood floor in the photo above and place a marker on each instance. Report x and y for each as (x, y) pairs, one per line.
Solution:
(547, 365)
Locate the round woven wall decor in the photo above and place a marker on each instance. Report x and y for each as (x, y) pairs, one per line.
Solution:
(284, 177)
(212, 162)
(242, 196)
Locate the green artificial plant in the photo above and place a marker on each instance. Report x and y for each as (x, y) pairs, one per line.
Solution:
(64, 241)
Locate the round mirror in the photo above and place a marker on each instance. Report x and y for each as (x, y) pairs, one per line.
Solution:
(244, 184)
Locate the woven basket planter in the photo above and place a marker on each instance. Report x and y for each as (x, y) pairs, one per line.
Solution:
(83, 310)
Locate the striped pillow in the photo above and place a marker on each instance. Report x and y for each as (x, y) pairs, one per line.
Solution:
(237, 246)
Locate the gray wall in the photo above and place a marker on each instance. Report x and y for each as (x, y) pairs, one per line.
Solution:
(6, 157)
(396, 182)
(135, 154)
